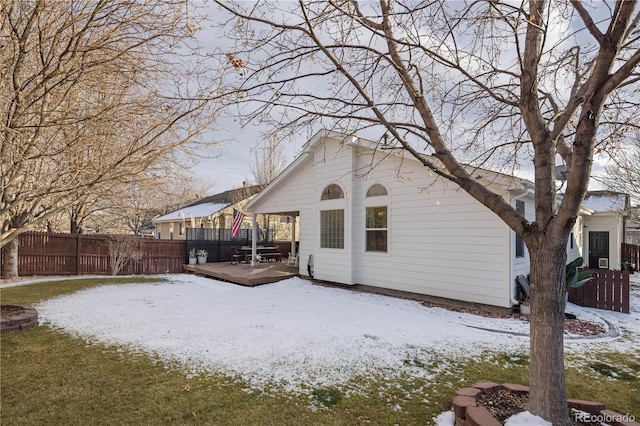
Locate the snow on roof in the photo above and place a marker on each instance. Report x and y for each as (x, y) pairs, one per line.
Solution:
(605, 202)
(193, 211)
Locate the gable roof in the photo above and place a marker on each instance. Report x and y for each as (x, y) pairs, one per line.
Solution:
(195, 211)
(211, 205)
(231, 196)
(511, 182)
(607, 202)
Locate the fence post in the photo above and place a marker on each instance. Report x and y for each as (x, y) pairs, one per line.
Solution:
(139, 262)
(78, 253)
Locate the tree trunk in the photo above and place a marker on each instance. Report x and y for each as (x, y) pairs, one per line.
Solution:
(547, 397)
(75, 226)
(10, 262)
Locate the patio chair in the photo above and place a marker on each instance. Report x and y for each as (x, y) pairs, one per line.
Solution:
(293, 260)
(236, 256)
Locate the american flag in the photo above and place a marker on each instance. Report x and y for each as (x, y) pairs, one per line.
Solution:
(238, 216)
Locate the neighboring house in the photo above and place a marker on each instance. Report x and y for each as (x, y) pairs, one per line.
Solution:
(396, 225)
(213, 212)
(600, 228)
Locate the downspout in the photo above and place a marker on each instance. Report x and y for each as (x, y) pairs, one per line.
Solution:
(513, 286)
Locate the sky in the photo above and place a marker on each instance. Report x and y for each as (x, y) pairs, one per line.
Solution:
(301, 336)
(229, 165)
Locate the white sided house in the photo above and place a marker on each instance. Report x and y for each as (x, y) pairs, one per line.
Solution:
(600, 229)
(369, 215)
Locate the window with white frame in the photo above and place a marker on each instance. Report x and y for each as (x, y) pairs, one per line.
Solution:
(376, 220)
(376, 228)
(332, 217)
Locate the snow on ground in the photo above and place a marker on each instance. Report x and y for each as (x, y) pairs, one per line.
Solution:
(295, 334)
(521, 419)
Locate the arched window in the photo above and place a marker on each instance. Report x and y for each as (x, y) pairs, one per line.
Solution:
(332, 192)
(376, 190)
(332, 220)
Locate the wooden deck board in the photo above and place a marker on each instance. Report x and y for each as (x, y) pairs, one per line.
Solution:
(243, 274)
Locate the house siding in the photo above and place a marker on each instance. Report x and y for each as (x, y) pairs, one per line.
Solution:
(441, 242)
(578, 241)
(297, 194)
(333, 164)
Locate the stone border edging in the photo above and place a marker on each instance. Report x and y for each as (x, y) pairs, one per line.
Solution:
(24, 321)
(611, 332)
(468, 413)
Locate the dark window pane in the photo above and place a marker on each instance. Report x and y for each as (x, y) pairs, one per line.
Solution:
(376, 217)
(376, 190)
(519, 242)
(377, 241)
(332, 192)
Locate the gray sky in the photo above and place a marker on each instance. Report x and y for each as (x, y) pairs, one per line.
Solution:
(229, 165)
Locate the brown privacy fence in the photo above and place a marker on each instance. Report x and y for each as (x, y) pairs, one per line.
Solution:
(607, 290)
(77, 254)
(631, 255)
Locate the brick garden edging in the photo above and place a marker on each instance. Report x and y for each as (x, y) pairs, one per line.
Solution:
(468, 413)
(26, 320)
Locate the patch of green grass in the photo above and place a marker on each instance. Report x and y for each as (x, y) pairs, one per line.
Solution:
(31, 294)
(50, 377)
(328, 396)
(611, 371)
(585, 382)
(512, 358)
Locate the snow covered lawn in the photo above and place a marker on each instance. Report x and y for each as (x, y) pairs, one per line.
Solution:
(296, 335)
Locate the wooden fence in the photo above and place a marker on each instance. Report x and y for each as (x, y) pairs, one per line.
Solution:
(607, 290)
(631, 255)
(77, 254)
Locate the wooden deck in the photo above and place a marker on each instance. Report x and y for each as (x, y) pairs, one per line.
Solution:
(243, 274)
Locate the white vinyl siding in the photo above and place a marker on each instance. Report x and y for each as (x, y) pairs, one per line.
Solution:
(332, 165)
(440, 241)
(297, 194)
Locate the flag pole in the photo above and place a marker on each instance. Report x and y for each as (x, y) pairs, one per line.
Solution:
(254, 239)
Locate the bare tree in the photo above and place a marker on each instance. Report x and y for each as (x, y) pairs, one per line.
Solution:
(122, 249)
(89, 95)
(268, 160)
(622, 174)
(487, 83)
(129, 207)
